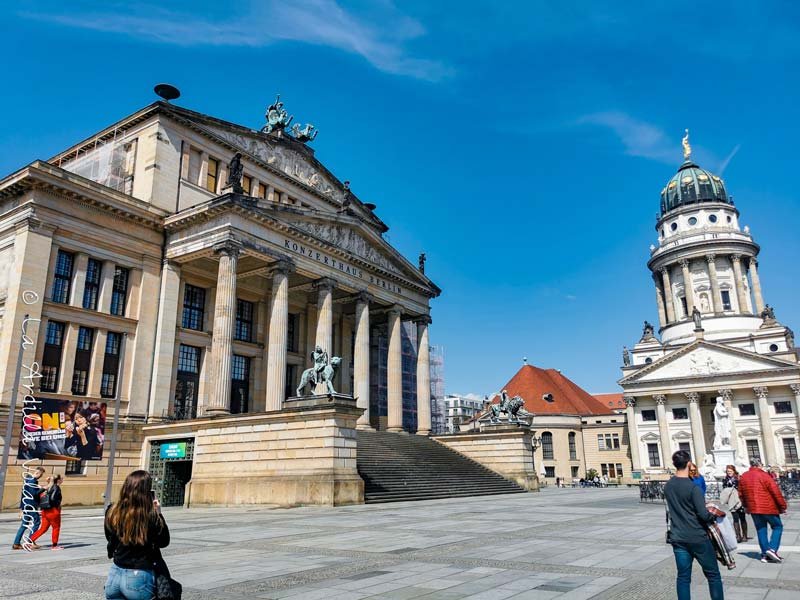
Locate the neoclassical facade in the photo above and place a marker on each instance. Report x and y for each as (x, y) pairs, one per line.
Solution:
(716, 338)
(194, 296)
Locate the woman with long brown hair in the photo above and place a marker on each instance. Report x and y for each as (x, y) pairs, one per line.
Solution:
(730, 497)
(135, 530)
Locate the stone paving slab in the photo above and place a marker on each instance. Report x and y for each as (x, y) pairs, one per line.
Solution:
(568, 544)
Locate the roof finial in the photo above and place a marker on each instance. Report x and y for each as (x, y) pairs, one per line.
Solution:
(687, 149)
(525, 360)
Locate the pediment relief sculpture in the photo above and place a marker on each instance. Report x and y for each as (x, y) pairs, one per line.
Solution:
(346, 239)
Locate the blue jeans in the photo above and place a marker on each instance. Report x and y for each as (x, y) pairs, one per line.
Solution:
(766, 542)
(130, 584)
(703, 552)
(27, 518)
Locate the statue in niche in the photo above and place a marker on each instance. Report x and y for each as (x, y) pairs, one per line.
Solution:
(704, 306)
(323, 371)
(697, 318)
(626, 356)
(722, 425)
(235, 173)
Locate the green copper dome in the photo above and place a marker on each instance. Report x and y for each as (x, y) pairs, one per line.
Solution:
(691, 185)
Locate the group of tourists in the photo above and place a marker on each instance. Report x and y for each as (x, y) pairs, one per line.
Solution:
(689, 518)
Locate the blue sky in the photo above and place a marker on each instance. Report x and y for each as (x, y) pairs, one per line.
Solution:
(521, 145)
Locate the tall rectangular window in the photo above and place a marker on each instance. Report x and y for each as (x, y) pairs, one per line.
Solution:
(247, 184)
(212, 174)
(92, 288)
(51, 358)
(83, 361)
(108, 383)
(188, 382)
(619, 470)
(195, 163)
(573, 450)
(63, 277)
(547, 445)
(244, 321)
(293, 333)
(549, 471)
(648, 415)
(726, 299)
(240, 384)
(653, 456)
(783, 407)
(194, 302)
(685, 447)
(684, 306)
(790, 451)
(119, 291)
(753, 453)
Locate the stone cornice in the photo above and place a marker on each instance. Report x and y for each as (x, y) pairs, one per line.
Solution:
(54, 180)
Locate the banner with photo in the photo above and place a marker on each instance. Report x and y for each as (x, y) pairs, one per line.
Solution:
(63, 430)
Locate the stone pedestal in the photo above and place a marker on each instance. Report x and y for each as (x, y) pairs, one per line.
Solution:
(303, 454)
(722, 458)
(503, 448)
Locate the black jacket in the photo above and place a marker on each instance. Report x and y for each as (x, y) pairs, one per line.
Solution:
(688, 514)
(136, 556)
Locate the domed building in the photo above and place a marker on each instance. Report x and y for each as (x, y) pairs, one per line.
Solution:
(716, 337)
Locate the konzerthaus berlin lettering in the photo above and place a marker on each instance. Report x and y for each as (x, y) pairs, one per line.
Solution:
(199, 299)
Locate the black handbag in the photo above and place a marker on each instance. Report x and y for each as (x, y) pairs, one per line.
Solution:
(166, 587)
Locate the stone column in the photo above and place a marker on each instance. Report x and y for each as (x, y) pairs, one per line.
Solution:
(663, 430)
(219, 397)
(106, 286)
(394, 370)
(168, 303)
(324, 337)
(633, 436)
(716, 297)
(278, 332)
(423, 376)
(767, 438)
(98, 358)
(737, 280)
(79, 279)
(796, 391)
(696, 422)
(688, 288)
(668, 295)
(361, 360)
(662, 315)
(759, 299)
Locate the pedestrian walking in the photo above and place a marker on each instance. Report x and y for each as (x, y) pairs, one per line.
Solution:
(688, 519)
(29, 506)
(730, 497)
(136, 531)
(762, 498)
(50, 504)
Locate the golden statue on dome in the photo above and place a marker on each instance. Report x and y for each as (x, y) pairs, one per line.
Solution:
(687, 149)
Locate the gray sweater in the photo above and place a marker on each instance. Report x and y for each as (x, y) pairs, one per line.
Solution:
(687, 511)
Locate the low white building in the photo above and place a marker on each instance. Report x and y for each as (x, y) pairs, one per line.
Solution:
(461, 408)
(717, 338)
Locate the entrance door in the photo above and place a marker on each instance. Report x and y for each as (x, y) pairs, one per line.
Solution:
(171, 468)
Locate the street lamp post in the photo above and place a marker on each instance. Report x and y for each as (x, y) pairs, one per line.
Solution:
(535, 443)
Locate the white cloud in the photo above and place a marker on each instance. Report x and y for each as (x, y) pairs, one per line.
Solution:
(638, 137)
(380, 40)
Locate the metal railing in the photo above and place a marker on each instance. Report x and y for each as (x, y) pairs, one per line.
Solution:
(653, 491)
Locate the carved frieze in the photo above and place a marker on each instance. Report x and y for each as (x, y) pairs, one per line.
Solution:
(347, 239)
(284, 159)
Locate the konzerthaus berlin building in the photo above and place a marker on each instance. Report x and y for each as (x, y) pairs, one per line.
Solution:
(196, 300)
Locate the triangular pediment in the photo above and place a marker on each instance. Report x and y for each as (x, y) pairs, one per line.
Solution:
(706, 359)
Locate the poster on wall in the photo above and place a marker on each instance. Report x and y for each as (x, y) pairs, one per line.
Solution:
(63, 430)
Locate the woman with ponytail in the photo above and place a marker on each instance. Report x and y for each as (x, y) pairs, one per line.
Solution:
(136, 531)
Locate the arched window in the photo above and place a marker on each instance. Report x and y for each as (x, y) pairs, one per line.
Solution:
(547, 445)
(573, 450)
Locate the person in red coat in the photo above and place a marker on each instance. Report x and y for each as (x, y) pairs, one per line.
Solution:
(762, 498)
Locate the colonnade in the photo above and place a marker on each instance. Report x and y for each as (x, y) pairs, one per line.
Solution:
(222, 339)
(699, 450)
(668, 313)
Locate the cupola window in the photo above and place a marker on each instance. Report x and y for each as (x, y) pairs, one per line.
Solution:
(692, 221)
(712, 218)
(674, 226)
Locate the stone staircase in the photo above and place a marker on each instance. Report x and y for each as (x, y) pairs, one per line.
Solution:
(398, 467)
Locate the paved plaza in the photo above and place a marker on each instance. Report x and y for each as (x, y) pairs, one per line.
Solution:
(570, 544)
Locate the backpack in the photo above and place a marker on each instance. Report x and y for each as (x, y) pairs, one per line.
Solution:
(44, 499)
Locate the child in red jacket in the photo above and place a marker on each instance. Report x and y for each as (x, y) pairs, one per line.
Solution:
(762, 498)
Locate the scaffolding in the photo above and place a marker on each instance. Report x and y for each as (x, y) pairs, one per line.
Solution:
(108, 159)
